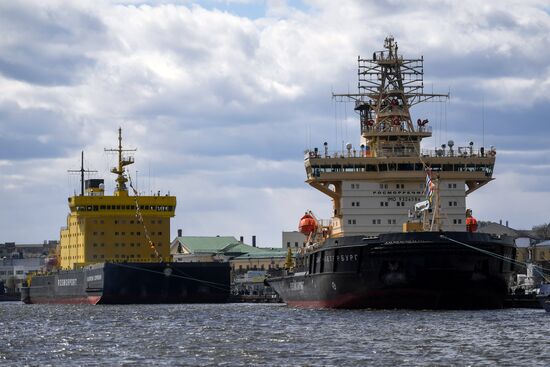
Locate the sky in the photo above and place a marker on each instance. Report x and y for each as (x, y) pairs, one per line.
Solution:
(222, 97)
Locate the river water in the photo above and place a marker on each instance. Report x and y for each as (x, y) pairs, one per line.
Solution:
(268, 335)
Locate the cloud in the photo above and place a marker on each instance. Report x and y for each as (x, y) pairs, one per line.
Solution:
(47, 45)
(222, 97)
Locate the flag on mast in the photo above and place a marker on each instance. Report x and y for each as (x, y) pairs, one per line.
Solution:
(430, 186)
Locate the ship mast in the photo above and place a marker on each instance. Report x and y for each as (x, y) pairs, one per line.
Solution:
(121, 189)
(81, 171)
(388, 85)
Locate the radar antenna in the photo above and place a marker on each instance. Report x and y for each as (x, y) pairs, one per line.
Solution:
(122, 162)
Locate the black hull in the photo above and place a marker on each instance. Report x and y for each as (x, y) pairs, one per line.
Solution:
(544, 301)
(402, 270)
(131, 283)
(544, 296)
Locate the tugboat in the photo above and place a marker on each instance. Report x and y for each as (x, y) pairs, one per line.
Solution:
(115, 250)
(400, 235)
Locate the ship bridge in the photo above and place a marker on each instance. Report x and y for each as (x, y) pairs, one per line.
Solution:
(475, 168)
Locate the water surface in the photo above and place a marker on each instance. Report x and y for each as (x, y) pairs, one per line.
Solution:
(268, 335)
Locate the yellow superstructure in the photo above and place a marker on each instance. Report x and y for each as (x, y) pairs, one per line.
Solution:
(116, 228)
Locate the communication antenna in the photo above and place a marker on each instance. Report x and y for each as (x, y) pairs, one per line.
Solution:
(81, 171)
(483, 120)
(122, 162)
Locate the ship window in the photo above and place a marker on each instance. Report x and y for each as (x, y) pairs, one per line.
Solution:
(116, 256)
(116, 233)
(116, 244)
(138, 233)
(131, 222)
(116, 221)
(95, 244)
(95, 256)
(122, 244)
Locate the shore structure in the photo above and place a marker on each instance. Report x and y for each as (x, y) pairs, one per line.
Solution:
(400, 235)
(116, 249)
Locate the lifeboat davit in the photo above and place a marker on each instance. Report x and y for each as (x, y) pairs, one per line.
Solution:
(307, 225)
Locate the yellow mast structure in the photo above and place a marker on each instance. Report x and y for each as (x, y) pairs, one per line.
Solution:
(104, 228)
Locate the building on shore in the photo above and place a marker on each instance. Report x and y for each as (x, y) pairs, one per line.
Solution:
(532, 253)
(250, 265)
(19, 259)
(241, 256)
(293, 240)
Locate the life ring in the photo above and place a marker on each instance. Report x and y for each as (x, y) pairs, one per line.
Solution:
(370, 122)
(396, 121)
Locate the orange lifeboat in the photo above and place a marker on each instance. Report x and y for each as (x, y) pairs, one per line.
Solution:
(307, 225)
(471, 224)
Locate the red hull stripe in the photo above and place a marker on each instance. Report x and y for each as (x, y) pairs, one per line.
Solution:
(92, 300)
(333, 303)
